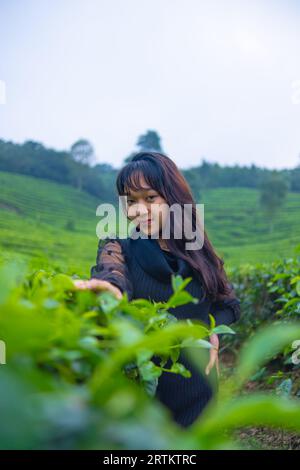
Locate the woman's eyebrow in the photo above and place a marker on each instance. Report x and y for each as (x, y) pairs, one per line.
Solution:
(143, 191)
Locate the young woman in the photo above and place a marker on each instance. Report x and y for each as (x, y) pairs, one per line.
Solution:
(143, 265)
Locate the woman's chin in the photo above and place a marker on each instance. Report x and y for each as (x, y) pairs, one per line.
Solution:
(149, 230)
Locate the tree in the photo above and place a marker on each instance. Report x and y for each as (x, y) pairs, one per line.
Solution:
(148, 142)
(103, 168)
(82, 151)
(273, 193)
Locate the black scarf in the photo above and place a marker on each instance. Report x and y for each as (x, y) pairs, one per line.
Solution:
(151, 258)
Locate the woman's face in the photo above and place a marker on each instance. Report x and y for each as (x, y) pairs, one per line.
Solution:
(146, 204)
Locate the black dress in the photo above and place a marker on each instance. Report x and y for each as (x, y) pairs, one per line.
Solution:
(142, 269)
(171, 259)
(191, 406)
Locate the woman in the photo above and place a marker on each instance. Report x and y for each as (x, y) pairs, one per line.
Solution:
(143, 265)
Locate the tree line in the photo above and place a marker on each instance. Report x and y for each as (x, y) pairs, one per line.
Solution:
(75, 167)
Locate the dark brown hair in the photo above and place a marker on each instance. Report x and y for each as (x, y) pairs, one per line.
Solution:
(162, 175)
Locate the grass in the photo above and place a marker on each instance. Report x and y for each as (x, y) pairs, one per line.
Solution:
(238, 229)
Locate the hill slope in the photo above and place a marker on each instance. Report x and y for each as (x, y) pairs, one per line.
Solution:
(239, 231)
(36, 218)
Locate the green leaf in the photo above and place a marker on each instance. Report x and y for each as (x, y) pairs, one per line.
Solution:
(62, 282)
(174, 354)
(149, 370)
(126, 331)
(178, 283)
(180, 369)
(258, 409)
(143, 355)
(196, 343)
(150, 386)
(181, 298)
(221, 329)
(268, 342)
(108, 301)
(212, 320)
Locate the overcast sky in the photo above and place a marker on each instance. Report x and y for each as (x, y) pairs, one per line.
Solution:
(218, 80)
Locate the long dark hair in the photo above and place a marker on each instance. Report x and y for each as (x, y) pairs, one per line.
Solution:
(163, 175)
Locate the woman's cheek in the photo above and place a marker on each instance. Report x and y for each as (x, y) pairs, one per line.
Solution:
(164, 217)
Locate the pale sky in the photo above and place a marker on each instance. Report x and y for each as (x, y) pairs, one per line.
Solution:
(218, 80)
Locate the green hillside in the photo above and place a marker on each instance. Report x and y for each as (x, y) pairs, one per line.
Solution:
(239, 231)
(36, 218)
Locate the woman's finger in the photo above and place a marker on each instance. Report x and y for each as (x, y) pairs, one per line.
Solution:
(213, 354)
(79, 283)
(213, 358)
(93, 284)
(118, 294)
(97, 285)
(210, 363)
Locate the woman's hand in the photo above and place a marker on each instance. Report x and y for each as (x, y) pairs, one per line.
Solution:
(98, 285)
(213, 353)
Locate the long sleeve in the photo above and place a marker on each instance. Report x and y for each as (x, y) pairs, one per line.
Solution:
(227, 310)
(111, 266)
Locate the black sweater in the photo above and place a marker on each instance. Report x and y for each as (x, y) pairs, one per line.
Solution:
(142, 269)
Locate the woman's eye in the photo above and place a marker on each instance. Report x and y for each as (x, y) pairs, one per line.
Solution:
(130, 201)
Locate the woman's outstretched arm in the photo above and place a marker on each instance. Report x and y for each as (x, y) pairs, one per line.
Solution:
(110, 273)
(111, 266)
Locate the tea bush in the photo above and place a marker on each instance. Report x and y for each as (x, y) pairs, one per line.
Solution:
(79, 375)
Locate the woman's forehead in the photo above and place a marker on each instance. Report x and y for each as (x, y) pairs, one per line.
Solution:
(142, 190)
(139, 184)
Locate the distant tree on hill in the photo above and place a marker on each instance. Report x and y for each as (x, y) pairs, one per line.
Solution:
(103, 168)
(82, 151)
(273, 192)
(148, 142)
(34, 159)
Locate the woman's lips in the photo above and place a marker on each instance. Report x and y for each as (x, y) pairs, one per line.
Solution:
(146, 222)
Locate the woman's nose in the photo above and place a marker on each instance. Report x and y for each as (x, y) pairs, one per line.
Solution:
(137, 210)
